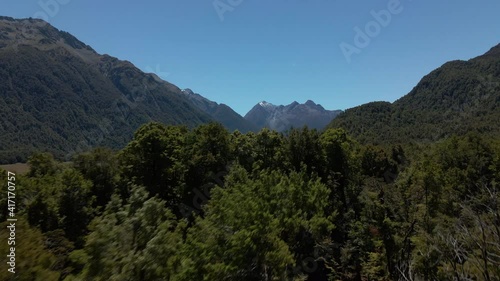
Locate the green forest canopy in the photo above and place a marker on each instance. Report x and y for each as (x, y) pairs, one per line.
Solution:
(206, 204)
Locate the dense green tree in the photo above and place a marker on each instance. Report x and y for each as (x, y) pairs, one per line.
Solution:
(303, 147)
(242, 148)
(153, 159)
(34, 262)
(101, 167)
(133, 241)
(343, 169)
(42, 164)
(374, 161)
(208, 157)
(444, 193)
(41, 196)
(269, 150)
(251, 226)
(42, 213)
(75, 205)
(208, 150)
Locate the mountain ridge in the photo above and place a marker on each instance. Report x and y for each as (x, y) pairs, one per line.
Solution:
(222, 113)
(284, 117)
(454, 99)
(59, 95)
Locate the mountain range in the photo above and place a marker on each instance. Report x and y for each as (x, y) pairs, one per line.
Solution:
(57, 94)
(294, 115)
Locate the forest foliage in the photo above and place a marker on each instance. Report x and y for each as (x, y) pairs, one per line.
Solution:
(52, 100)
(206, 204)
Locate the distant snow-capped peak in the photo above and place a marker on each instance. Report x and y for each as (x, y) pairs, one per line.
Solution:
(266, 104)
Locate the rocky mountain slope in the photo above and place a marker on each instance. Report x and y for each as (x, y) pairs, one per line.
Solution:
(282, 118)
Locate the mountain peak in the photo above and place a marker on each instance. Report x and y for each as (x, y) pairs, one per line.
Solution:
(266, 104)
(282, 118)
(21, 33)
(188, 91)
(310, 103)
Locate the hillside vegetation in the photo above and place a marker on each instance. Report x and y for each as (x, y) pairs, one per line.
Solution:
(58, 95)
(457, 98)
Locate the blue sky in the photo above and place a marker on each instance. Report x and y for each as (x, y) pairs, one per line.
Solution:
(240, 52)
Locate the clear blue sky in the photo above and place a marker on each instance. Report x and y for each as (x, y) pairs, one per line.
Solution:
(281, 50)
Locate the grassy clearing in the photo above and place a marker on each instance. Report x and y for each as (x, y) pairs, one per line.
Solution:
(18, 168)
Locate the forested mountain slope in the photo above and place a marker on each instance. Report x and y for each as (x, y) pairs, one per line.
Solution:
(57, 94)
(220, 112)
(457, 98)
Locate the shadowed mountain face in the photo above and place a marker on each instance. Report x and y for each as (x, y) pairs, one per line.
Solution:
(57, 94)
(282, 118)
(457, 98)
(220, 113)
